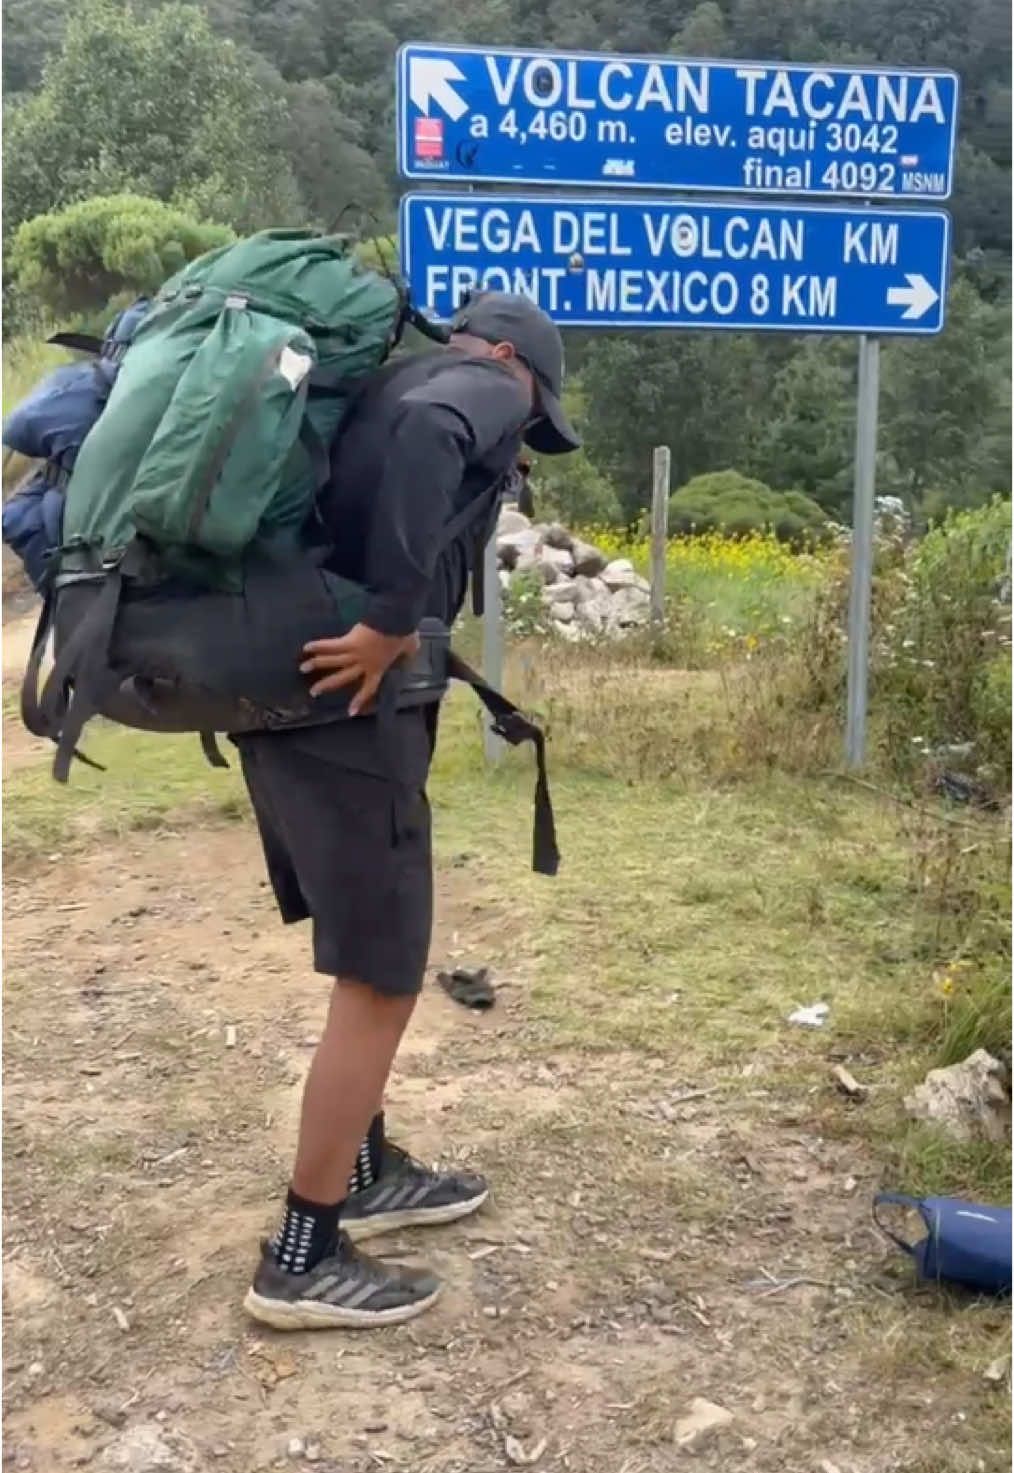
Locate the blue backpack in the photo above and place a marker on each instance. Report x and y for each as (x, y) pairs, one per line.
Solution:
(966, 1243)
(50, 426)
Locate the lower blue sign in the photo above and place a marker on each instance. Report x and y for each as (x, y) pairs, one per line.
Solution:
(642, 263)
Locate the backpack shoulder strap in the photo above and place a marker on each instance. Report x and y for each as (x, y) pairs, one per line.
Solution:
(514, 727)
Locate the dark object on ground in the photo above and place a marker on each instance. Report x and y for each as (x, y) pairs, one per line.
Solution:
(471, 988)
(961, 789)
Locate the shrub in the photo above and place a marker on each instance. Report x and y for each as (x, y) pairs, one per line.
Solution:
(732, 503)
(943, 663)
(77, 259)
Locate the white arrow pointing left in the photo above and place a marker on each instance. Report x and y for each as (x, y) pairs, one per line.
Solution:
(429, 80)
(917, 298)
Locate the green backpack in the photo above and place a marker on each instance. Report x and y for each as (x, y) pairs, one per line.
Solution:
(187, 585)
(214, 437)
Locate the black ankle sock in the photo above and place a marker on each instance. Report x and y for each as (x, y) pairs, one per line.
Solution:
(306, 1233)
(371, 1155)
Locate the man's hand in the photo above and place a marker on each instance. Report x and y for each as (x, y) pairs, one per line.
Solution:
(362, 657)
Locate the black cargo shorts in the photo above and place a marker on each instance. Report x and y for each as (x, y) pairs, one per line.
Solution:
(345, 824)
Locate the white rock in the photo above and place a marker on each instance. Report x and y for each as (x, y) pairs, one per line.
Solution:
(619, 573)
(512, 521)
(145, 1449)
(593, 613)
(967, 1100)
(700, 1423)
(814, 1016)
(565, 592)
(562, 612)
(629, 608)
(511, 547)
(505, 579)
(590, 589)
(558, 557)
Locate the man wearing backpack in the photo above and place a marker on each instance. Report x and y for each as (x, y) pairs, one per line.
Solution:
(342, 809)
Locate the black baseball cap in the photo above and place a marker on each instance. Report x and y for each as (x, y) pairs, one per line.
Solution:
(499, 317)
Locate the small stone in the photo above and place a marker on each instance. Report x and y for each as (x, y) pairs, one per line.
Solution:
(620, 573)
(490, 1311)
(700, 1423)
(967, 1101)
(36, 1368)
(313, 1452)
(996, 1371)
(295, 1447)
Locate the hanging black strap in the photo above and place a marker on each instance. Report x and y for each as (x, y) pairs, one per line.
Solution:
(31, 710)
(81, 678)
(81, 342)
(514, 727)
(211, 749)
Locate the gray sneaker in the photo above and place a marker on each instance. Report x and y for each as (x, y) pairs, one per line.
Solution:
(346, 1291)
(407, 1194)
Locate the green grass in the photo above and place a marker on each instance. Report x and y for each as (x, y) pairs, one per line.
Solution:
(149, 782)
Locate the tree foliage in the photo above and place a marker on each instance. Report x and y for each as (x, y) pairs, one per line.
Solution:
(158, 106)
(77, 259)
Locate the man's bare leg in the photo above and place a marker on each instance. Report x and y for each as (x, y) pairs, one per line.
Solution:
(310, 1276)
(345, 1083)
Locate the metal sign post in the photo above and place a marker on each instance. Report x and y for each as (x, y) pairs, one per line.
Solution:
(492, 642)
(862, 551)
(661, 461)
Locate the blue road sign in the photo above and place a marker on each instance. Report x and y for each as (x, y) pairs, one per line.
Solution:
(529, 117)
(643, 263)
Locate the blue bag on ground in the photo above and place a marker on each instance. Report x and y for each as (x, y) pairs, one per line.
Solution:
(50, 425)
(966, 1242)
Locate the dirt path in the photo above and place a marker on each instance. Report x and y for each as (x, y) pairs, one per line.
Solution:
(622, 1272)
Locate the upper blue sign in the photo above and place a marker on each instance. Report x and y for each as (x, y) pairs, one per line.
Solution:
(508, 116)
(646, 263)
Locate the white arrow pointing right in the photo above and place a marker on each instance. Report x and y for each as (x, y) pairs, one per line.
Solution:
(917, 298)
(429, 80)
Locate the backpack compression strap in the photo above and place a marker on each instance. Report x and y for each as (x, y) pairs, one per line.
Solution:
(514, 727)
(81, 342)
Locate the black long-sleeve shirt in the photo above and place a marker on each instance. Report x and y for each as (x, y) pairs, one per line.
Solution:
(429, 434)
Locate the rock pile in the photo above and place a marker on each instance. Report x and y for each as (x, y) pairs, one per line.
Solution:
(583, 593)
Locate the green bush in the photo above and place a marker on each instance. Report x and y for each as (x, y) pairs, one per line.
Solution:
(729, 502)
(943, 662)
(78, 259)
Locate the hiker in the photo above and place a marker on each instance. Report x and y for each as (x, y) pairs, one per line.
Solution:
(342, 809)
